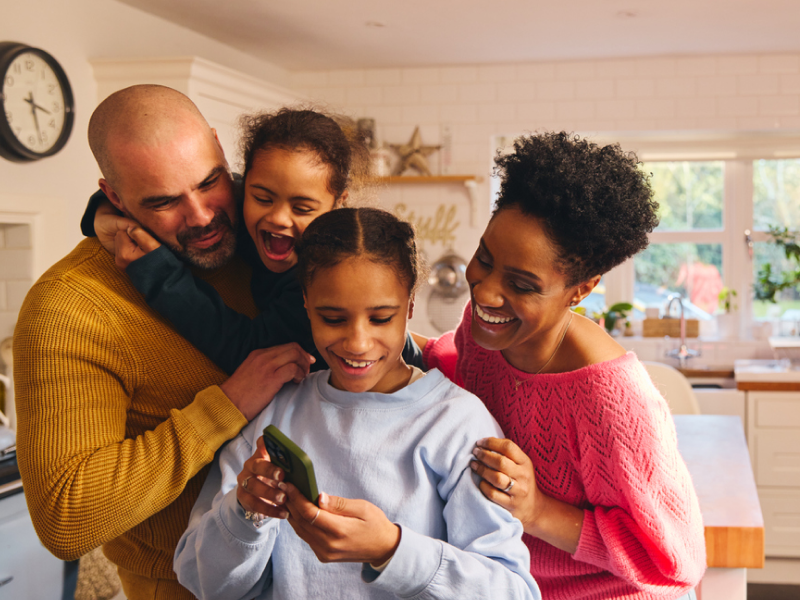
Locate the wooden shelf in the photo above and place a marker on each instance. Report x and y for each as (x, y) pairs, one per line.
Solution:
(426, 179)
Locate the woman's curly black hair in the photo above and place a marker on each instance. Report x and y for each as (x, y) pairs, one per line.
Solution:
(595, 202)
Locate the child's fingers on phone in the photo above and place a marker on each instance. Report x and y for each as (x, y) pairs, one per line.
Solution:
(299, 505)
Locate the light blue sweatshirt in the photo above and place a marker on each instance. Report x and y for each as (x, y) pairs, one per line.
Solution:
(408, 453)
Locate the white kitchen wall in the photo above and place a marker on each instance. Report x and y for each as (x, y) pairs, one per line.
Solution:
(692, 94)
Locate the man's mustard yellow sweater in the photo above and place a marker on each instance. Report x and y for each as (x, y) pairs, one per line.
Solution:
(117, 416)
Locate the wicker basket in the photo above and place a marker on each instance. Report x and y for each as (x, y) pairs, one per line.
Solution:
(670, 327)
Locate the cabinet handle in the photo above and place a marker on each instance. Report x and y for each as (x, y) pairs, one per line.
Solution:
(5, 580)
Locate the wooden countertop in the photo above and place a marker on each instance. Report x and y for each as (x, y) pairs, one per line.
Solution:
(715, 450)
(710, 373)
(768, 386)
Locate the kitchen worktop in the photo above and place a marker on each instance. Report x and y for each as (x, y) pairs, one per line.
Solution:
(767, 375)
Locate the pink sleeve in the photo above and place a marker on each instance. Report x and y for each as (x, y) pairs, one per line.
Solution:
(440, 353)
(646, 526)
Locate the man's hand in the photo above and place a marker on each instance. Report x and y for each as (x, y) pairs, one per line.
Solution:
(131, 244)
(254, 384)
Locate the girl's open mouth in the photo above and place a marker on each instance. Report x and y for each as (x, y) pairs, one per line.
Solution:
(277, 247)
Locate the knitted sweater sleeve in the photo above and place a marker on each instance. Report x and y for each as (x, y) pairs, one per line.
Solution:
(440, 353)
(646, 526)
(85, 483)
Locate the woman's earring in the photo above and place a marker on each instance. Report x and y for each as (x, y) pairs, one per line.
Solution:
(574, 303)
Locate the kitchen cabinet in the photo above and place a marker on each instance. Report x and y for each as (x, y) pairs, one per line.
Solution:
(27, 570)
(773, 426)
(773, 439)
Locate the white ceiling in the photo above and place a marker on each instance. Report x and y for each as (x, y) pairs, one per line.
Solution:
(344, 34)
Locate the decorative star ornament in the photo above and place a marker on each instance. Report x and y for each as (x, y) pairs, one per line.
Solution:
(413, 155)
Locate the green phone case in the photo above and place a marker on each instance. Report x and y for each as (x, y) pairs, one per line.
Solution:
(295, 463)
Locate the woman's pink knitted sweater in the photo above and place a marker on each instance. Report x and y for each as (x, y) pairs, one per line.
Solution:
(600, 438)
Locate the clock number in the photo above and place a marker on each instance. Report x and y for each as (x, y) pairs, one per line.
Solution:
(56, 106)
(9, 81)
(9, 117)
(52, 123)
(29, 64)
(17, 68)
(31, 140)
(51, 89)
(44, 137)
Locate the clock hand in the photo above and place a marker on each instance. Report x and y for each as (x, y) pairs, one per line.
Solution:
(41, 108)
(30, 101)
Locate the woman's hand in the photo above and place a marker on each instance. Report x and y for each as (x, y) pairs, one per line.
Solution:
(131, 244)
(258, 485)
(341, 529)
(508, 479)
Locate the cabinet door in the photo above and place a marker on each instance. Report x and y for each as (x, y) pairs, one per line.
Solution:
(777, 454)
(781, 509)
(29, 571)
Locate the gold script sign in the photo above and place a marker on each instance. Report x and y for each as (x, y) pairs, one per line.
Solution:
(438, 228)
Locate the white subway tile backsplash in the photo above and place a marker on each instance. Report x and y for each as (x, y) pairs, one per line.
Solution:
(636, 88)
(615, 109)
(346, 77)
(421, 114)
(594, 90)
(717, 85)
(336, 96)
(488, 113)
(555, 90)
(676, 87)
(737, 65)
(517, 91)
(575, 70)
(759, 123)
(421, 76)
(758, 84)
(439, 93)
(459, 113)
(3, 297)
(459, 75)
(531, 112)
(497, 73)
(779, 105)
(790, 84)
(305, 79)
(543, 71)
(658, 108)
(401, 94)
(365, 95)
(738, 106)
(696, 107)
(480, 93)
(617, 69)
(696, 66)
(383, 77)
(575, 110)
(386, 114)
(779, 63)
(8, 320)
(655, 67)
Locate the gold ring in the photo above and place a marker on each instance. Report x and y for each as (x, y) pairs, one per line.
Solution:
(244, 483)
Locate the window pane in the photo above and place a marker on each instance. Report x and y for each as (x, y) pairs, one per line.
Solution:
(787, 300)
(776, 193)
(690, 194)
(693, 270)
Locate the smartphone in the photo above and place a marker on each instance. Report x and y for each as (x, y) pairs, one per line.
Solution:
(296, 465)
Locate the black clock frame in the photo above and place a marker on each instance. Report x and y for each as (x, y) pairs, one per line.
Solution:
(10, 147)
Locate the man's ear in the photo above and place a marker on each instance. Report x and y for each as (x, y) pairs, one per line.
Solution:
(112, 196)
(219, 144)
(411, 307)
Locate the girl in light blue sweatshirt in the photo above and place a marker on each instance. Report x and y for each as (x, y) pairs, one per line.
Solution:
(400, 514)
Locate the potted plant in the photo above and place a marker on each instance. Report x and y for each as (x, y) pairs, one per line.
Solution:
(767, 283)
(612, 315)
(726, 320)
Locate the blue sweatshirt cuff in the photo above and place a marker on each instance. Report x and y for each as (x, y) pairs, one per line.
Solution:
(232, 516)
(413, 566)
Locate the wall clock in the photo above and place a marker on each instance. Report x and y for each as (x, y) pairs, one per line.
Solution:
(37, 104)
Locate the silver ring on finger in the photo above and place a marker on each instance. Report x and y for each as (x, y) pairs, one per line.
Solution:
(510, 485)
(315, 517)
(244, 483)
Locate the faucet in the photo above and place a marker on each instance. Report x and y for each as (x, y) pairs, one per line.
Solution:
(682, 352)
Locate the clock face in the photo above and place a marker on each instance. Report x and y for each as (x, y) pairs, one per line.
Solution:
(34, 102)
(37, 111)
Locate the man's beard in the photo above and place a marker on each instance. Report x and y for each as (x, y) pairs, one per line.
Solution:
(212, 257)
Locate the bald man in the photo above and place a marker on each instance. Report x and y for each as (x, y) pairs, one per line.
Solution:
(117, 414)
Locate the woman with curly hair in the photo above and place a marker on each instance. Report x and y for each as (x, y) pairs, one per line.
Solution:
(591, 467)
